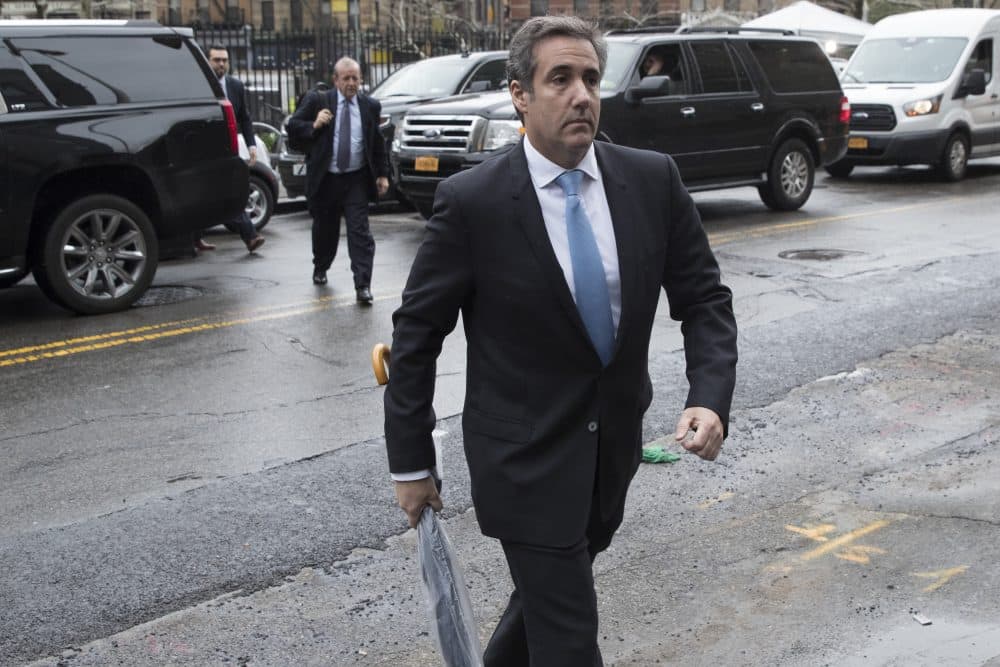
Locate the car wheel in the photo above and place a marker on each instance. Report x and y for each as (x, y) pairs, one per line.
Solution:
(260, 203)
(840, 169)
(955, 158)
(790, 177)
(426, 209)
(98, 255)
(11, 279)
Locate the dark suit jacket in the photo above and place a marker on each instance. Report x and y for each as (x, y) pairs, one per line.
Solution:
(238, 98)
(540, 410)
(318, 159)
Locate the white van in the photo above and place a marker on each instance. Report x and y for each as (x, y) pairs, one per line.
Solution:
(922, 91)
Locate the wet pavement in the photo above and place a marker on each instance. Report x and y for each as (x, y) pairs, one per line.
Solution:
(203, 481)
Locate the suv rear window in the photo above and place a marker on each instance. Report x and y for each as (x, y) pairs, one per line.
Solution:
(82, 71)
(794, 67)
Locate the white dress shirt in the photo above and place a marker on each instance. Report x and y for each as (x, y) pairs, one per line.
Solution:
(543, 173)
(357, 138)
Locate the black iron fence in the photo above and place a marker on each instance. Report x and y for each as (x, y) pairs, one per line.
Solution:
(278, 68)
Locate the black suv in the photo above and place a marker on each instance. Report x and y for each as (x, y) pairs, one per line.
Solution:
(732, 109)
(113, 136)
(410, 85)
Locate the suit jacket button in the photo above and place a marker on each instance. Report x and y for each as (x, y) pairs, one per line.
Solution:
(592, 427)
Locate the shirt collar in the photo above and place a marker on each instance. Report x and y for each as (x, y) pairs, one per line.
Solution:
(544, 171)
(341, 98)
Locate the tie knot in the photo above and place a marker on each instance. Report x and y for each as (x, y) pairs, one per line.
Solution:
(570, 181)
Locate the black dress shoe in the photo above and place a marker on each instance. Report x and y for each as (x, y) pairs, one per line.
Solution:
(319, 277)
(365, 296)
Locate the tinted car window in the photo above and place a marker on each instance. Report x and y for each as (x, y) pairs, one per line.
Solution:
(793, 67)
(982, 58)
(19, 92)
(718, 71)
(489, 76)
(82, 71)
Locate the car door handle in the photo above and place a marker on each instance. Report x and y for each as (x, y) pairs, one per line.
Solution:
(756, 106)
(687, 112)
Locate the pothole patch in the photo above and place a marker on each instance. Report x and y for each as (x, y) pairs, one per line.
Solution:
(163, 295)
(818, 254)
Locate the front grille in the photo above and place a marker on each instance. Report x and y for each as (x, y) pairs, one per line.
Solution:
(872, 117)
(439, 134)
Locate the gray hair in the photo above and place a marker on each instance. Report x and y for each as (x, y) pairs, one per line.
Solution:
(345, 61)
(521, 63)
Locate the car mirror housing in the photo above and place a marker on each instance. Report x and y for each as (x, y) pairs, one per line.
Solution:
(973, 83)
(650, 86)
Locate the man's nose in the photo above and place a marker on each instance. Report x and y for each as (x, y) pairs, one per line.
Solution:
(580, 94)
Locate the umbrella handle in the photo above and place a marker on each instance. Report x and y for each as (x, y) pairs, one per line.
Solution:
(380, 362)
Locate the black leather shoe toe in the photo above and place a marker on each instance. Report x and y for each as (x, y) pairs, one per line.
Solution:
(365, 296)
(319, 277)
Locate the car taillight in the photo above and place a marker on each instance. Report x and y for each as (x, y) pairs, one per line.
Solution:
(845, 111)
(227, 109)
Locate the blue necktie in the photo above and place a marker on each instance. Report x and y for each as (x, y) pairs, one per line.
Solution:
(344, 138)
(590, 283)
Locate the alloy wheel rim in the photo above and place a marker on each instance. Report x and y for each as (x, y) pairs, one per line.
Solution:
(794, 174)
(255, 205)
(103, 254)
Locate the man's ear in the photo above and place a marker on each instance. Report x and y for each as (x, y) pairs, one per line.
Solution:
(519, 96)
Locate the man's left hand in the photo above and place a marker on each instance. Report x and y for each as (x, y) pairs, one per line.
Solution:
(253, 155)
(707, 429)
(382, 183)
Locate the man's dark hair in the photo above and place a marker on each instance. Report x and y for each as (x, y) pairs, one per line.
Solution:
(218, 47)
(521, 63)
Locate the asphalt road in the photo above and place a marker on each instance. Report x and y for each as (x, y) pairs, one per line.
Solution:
(201, 480)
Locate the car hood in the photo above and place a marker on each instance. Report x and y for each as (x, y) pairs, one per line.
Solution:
(489, 105)
(398, 103)
(894, 94)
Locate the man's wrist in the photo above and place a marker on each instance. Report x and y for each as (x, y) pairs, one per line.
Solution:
(411, 476)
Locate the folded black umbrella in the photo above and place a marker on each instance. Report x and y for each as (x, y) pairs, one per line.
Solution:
(451, 609)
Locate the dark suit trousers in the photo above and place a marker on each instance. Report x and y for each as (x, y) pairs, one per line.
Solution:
(242, 225)
(343, 195)
(551, 619)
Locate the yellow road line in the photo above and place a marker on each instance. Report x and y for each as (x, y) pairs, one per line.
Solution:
(846, 538)
(942, 576)
(105, 341)
(96, 337)
(726, 237)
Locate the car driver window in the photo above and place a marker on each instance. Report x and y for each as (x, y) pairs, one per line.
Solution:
(664, 60)
(982, 58)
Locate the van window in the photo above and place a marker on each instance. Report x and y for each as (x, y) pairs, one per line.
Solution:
(904, 60)
(794, 67)
(81, 71)
(982, 58)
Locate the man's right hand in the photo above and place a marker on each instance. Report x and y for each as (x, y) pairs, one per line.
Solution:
(414, 496)
(322, 118)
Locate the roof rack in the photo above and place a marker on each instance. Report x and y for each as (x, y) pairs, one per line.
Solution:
(643, 30)
(734, 30)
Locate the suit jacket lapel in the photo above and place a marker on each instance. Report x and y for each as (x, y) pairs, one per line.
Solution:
(528, 215)
(624, 217)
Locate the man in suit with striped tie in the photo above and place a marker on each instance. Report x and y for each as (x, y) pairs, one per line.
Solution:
(555, 254)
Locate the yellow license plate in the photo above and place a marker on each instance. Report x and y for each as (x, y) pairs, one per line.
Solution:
(858, 142)
(426, 163)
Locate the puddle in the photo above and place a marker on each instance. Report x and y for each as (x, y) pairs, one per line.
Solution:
(818, 254)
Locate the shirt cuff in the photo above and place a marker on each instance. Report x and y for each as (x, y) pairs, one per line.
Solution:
(411, 476)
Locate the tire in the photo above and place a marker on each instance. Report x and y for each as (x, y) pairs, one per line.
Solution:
(790, 177)
(11, 279)
(426, 209)
(840, 169)
(954, 158)
(260, 203)
(97, 255)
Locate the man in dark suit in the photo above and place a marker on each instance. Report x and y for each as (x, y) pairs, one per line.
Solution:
(347, 167)
(555, 253)
(218, 58)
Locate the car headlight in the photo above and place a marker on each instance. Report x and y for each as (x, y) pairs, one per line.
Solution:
(922, 107)
(500, 133)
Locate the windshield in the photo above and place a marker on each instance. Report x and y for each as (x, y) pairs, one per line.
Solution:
(904, 60)
(620, 58)
(428, 78)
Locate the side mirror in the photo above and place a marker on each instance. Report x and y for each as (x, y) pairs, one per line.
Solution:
(650, 86)
(973, 83)
(478, 87)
